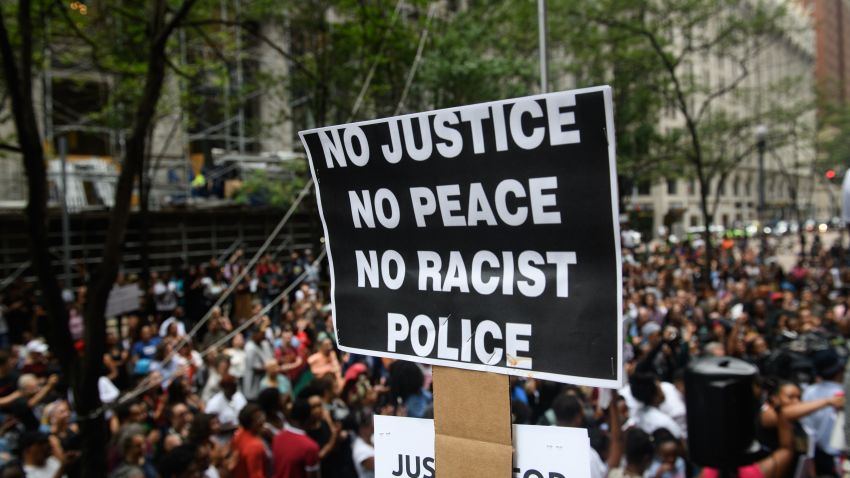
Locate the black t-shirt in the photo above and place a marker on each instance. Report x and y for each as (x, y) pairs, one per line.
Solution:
(338, 463)
(769, 439)
(8, 384)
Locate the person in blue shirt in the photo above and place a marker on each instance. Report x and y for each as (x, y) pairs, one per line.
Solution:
(668, 461)
(145, 350)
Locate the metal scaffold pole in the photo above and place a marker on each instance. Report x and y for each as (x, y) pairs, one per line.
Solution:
(541, 28)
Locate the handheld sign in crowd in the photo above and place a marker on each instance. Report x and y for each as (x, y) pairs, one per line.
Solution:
(482, 237)
(122, 299)
(405, 448)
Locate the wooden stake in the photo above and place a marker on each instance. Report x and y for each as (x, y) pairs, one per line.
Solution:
(472, 422)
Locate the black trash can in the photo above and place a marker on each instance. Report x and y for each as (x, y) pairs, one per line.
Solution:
(721, 396)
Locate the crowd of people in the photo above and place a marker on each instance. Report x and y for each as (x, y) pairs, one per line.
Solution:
(257, 390)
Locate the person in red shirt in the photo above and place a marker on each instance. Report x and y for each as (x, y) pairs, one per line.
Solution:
(294, 454)
(253, 461)
(293, 358)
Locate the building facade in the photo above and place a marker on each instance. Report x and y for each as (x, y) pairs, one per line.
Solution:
(242, 119)
(792, 190)
(832, 32)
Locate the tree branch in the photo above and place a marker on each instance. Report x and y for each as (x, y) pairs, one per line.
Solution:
(210, 43)
(176, 69)
(93, 46)
(259, 36)
(169, 27)
(25, 27)
(743, 75)
(11, 147)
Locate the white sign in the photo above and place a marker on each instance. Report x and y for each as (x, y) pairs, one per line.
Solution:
(404, 447)
(122, 300)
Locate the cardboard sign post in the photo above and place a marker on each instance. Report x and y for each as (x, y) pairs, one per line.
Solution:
(472, 421)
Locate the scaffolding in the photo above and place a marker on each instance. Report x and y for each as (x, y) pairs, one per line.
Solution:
(217, 142)
(186, 141)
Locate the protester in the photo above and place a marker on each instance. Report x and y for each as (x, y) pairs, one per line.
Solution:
(200, 398)
(363, 448)
(829, 368)
(274, 379)
(133, 446)
(294, 454)
(226, 404)
(37, 458)
(248, 444)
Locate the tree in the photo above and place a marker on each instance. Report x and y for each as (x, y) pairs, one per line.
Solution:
(713, 127)
(350, 58)
(591, 53)
(358, 60)
(20, 36)
(799, 177)
(260, 189)
(834, 128)
(484, 52)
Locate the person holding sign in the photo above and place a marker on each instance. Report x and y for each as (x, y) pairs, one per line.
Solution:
(639, 452)
(569, 409)
(363, 450)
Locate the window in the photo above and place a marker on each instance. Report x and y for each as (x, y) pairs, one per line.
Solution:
(73, 101)
(736, 186)
(692, 187)
(672, 188)
(644, 188)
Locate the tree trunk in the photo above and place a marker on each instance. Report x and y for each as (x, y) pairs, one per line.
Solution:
(709, 243)
(19, 84)
(84, 374)
(112, 256)
(801, 231)
(144, 252)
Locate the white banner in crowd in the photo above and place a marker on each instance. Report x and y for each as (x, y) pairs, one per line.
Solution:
(404, 447)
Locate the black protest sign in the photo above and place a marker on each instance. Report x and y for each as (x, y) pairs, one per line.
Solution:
(482, 237)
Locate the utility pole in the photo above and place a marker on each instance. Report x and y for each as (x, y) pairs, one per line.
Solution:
(66, 226)
(761, 145)
(541, 27)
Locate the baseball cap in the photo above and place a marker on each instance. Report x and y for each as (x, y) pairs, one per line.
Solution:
(649, 328)
(36, 346)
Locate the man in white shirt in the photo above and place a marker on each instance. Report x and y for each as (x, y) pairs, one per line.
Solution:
(165, 295)
(569, 412)
(830, 369)
(362, 449)
(646, 389)
(672, 406)
(38, 459)
(227, 404)
(175, 318)
(257, 352)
